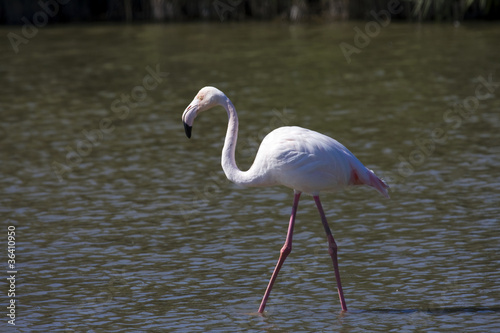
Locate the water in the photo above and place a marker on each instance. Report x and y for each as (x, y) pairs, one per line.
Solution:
(123, 224)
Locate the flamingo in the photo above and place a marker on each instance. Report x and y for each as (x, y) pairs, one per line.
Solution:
(301, 159)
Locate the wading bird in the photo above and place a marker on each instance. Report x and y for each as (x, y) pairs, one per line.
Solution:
(298, 158)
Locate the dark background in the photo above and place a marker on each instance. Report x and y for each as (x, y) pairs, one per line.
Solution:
(12, 12)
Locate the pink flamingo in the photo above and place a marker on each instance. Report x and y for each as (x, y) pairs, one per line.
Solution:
(298, 158)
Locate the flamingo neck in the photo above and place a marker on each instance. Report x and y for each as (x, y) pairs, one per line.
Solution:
(233, 173)
(228, 161)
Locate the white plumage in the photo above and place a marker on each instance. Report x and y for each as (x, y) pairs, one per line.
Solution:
(309, 162)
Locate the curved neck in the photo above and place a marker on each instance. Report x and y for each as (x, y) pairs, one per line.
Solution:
(256, 175)
(233, 173)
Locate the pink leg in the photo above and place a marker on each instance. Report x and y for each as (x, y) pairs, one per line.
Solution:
(285, 250)
(332, 249)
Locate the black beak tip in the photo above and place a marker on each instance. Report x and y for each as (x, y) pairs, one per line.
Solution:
(187, 129)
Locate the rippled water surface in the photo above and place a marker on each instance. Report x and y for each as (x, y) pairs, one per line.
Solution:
(124, 225)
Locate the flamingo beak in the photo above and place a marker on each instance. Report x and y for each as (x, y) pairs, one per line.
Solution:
(187, 129)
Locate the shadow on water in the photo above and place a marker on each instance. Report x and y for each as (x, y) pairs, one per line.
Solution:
(434, 311)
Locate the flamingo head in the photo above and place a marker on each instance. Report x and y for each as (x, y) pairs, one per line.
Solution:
(207, 98)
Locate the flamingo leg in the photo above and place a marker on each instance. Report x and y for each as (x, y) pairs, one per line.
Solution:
(284, 252)
(332, 249)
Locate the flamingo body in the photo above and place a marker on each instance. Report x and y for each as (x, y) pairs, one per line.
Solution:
(295, 157)
(309, 162)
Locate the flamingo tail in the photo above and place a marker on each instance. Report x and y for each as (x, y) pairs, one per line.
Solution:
(378, 184)
(369, 178)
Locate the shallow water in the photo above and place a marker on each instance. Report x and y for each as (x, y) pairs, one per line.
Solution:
(123, 224)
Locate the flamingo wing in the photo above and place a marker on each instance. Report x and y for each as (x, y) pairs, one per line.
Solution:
(311, 162)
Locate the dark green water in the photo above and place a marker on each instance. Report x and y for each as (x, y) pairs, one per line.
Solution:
(123, 224)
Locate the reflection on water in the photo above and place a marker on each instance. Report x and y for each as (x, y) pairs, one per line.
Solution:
(136, 228)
